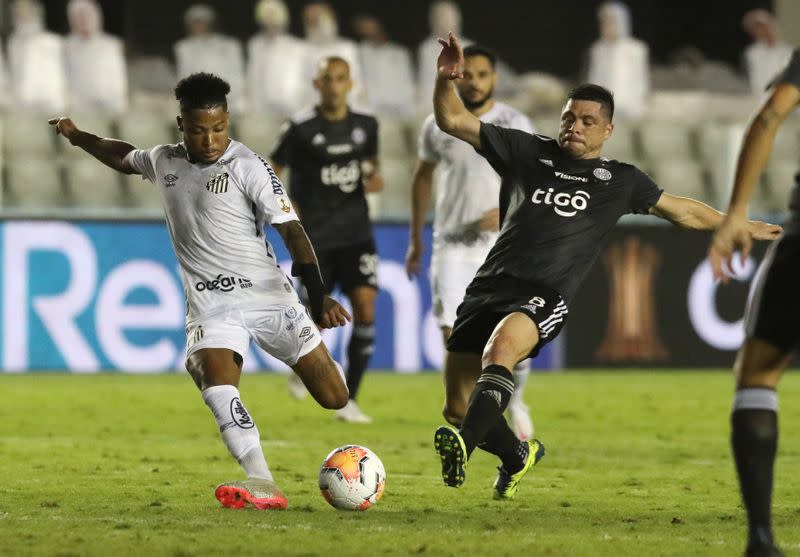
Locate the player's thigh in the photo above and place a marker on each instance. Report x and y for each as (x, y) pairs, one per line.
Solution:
(214, 349)
(760, 364)
(511, 341)
(461, 372)
(362, 298)
(321, 376)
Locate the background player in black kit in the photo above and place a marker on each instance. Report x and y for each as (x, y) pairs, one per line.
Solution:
(332, 153)
(558, 202)
(772, 318)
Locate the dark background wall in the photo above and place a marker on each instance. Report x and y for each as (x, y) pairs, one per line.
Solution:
(545, 35)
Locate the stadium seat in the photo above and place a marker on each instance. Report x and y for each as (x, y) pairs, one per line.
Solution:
(259, 132)
(683, 177)
(146, 129)
(93, 185)
(141, 194)
(28, 135)
(781, 178)
(622, 144)
(96, 123)
(787, 142)
(33, 182)
(393, 137)
(666, 140)
(395, 203)
(546, 125)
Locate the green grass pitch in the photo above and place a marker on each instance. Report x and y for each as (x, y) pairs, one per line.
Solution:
(637, 464)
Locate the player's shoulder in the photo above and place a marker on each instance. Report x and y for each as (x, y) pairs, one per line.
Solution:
(622, 169)
(362, 115)
(239, 158)
(305, 116)
(168, 151)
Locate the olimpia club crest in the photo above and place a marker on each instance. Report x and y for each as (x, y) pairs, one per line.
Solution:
(218, 184)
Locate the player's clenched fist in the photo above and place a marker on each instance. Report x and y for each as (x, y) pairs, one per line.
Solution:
(65, 127)
(333, 314)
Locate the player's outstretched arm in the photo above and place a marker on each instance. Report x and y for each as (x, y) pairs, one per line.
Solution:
(111, 152)
(756, 148)
(452, 117)
(421, 186)
(325, 311)
(685, 212)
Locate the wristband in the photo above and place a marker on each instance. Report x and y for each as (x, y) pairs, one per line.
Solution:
(312, 280)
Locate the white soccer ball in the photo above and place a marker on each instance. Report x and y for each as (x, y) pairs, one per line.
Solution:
(352, 478)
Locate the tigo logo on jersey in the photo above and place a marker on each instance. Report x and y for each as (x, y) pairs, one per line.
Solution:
(564, 204)
(218, 184)
(345, 176)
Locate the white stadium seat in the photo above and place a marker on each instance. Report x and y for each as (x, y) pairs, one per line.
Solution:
(682, 177)
(666, 140)
(781, 176)
(393, 137)
(145, 130)
(622, 144)
(32, 183)
(27, 134)
(259, 132)
(92, 184)
(395, 202)
(140, 193)
(92, 122)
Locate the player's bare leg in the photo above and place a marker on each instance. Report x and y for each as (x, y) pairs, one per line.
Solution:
(754, 438)
(323, 377)
(216, 372)
(360, 349)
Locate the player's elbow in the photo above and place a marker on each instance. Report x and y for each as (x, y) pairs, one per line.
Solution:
(446, 122)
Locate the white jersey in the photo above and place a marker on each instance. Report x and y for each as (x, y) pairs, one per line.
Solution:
(466, 184)
(215, 215)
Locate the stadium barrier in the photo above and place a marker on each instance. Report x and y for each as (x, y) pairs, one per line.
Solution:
(90, 296)
(651, 301)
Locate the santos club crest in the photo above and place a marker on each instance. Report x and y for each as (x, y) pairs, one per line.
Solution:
(218, 184)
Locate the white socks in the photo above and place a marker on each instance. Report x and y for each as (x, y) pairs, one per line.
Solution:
(520, 373)
(239, 431)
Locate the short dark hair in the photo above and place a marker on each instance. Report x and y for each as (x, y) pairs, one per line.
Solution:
(596, 93)
(478, 50)
(202, 90)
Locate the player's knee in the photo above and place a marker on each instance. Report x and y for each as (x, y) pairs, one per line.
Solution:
(499, 350)
(335, 398)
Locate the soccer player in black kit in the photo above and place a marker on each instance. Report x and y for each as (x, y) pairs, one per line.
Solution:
(558, 201)
(772, 317)
(332, 153)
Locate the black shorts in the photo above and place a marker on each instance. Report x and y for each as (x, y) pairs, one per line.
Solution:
(349, 267)
(773, 311)
(489, 300)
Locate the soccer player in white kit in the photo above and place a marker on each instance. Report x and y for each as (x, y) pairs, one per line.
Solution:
(466, 218)
(217, 197)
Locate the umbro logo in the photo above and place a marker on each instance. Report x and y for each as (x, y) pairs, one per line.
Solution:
(218, 184)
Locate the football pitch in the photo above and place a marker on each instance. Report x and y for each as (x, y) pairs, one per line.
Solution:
(637, 464)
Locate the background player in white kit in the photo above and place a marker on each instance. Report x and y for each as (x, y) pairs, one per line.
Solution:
(467, 217)
(217, 197)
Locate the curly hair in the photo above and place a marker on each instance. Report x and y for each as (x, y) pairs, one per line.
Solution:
(202, 90)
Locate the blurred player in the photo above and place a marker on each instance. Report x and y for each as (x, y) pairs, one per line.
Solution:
(772, 318)
(558, 201)
(217, 196)
(467, 217)
(332, 153)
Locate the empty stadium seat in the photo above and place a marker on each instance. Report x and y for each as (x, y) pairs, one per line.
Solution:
(259, 132)
(547, 126)
(787, 141)
(781, 177)
(666, 140)
(92, 184)
(395, 202)
(622, 144)
(683, 177)
(146, 129)
(32, 183)
(92, 122)
(393, 137)
(28, 135)
(141, 194)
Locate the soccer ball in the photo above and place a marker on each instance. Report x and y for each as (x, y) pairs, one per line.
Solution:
(352, 478)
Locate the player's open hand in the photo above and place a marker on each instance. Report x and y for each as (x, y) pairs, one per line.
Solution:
(333, 314)
(451, 60)
(733, 234)
(65, 126)
(761, 230)
(414, 259)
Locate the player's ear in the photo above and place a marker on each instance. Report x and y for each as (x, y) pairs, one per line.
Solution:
(179, 120)
(609, 130)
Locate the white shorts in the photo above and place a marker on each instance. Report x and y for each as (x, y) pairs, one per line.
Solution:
(284, 331)
(452, 269)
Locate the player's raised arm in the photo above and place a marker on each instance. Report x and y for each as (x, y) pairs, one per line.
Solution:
(753, 157)
(452, 117)
(111, 152)
(325, 311)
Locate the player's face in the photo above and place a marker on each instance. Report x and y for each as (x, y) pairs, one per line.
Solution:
(478, 83)
(333, 83)
(205, 133)
(584, 129)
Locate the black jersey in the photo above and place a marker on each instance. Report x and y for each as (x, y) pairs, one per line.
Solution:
(556, 211)
(326, 185)
(791, 75)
